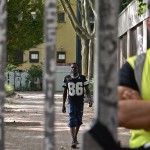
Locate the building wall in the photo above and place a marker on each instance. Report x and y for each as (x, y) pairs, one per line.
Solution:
(65, 42)
(26, 65)
(129, 18)
(132, 32)
(66, 38)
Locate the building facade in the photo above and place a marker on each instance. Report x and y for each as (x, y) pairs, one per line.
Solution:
(65, 44)
(65, 50)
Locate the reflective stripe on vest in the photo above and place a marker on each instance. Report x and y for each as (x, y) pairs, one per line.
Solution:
(138, 70)
(137, 63)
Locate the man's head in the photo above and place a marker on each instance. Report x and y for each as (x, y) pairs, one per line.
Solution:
(74, 68)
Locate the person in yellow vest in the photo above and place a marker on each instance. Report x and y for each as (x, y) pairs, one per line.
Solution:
(134, 98)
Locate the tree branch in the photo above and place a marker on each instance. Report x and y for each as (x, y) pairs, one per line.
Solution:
(92, 7)
(87, 18)
(70, 18)
(83, 30)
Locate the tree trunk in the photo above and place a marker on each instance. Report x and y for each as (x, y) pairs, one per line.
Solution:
(50, 66)
(105, 88)
(84, 52)
(3, 38)
(91, 60)
(106, 52)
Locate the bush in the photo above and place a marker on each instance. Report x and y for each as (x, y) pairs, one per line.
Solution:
(10, 67)
(35, 72)
(8, 89)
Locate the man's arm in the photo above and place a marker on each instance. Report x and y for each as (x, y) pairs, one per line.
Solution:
(134, 114)
(88, 96)
(64, 100)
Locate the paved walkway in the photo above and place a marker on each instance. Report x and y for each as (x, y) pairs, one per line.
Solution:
(24, 123)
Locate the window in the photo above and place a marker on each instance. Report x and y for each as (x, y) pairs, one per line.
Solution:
(18, 58)
(61, 57)
(61, 17)
(34, 56)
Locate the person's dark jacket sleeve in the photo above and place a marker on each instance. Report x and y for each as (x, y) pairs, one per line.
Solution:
(126, 77)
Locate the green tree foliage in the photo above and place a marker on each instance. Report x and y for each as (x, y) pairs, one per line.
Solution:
(33, 73)
(10, 67)
(141, 7)
(124, 4)
(24, 32)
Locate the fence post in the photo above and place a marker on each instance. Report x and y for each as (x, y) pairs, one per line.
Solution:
(105, 96)
(50, 42)
(3, 17)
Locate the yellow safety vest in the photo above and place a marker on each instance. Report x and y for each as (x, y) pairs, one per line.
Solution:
(142, 71)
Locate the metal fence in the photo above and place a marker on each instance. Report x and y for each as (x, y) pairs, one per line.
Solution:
(19, 79)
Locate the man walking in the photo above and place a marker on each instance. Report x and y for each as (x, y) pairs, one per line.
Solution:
(74, 85)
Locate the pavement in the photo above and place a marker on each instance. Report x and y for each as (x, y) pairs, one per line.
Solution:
(24, 123)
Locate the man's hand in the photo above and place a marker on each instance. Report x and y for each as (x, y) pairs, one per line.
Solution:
(90, 102)
(132, 94)
(63, 108)
(126, 93)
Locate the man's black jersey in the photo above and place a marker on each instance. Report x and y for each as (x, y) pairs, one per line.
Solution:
(75, 86)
